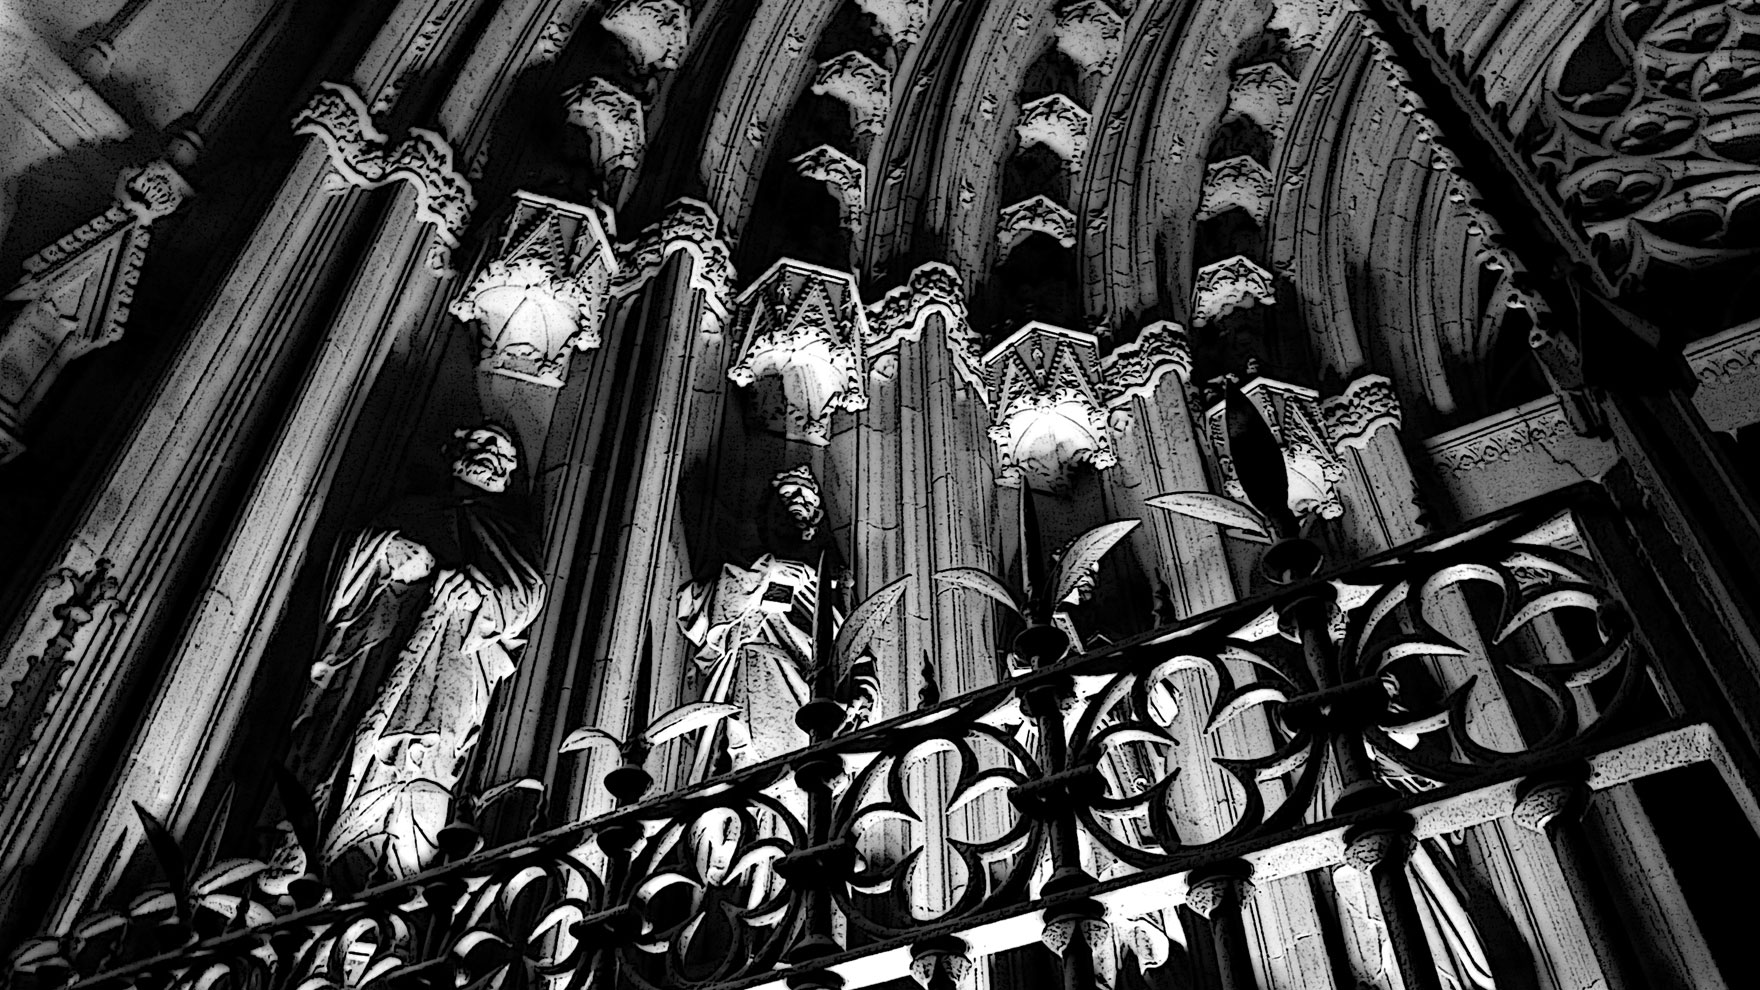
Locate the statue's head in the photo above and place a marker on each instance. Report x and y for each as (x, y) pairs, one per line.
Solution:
(484, 457)
(799, 493)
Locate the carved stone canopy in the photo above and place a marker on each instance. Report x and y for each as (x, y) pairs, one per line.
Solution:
(691, 226)
(1309, 457)
(1230, 284)
(1263, 93)
(802, 349)
(1056, 122)
(1090, 33)
(862, 84)
(934, 289)
(541, 291)
(1236, 183)
(1134, 369)
(613, 119)
(1039, 214)
(843, 176)
(1047, 412)
(902, 20)
(654, 32)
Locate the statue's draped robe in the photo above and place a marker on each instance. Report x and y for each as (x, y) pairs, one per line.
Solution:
(408, 676)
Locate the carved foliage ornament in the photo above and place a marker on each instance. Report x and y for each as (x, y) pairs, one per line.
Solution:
(862, 85)
(842, 175)
(654, 32)
(1231, 284)
(1651, 123)
(1046, 412)
(803, 348)
(1056, 122)
(543, 291)
(1313, 466)
(614, 120)
(76, 293)
(360, 155)
(1134, 369)
(1367, 405)
(689, 225)
(934, 289)
(1039, 214)
(1090, 33)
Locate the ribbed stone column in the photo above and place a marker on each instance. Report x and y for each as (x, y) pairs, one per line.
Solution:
(173, 756)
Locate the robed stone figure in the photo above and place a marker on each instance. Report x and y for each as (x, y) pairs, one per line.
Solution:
(428, 605)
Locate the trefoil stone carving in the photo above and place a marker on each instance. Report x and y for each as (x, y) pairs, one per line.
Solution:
(1227, 285)
(1313, 465)
(361, 155)
(1091, 34)
(803, 350)
(542, 292)
(613, 119)
(1039, 214)
(654, 32)
(76, 293)
(843, 176)
(1058, 123)
(862, 85)
(1046, 410)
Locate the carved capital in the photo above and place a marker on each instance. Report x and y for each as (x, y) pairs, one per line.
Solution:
(862, 85)
(1313, 466)
(1231, 284)
(1236, 183)
(689, 225)
(654, 32)
(1039, 215)
(613, 119)
(1046, 411)
(360, 155)
(542, 292)
(77, 292)
(1056, 122)
(1367, 405)
(933, 289)
(1091, 34)
(843, 176)
(1208, 893)
(803, 341)
(1134, 369)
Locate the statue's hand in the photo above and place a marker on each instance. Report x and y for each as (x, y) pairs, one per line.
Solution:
(457, 592)
(409, 561)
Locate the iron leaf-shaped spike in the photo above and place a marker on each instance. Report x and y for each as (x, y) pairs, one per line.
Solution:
(687, 719)
(1085, 552)
(1217, 509)
(170, 857)
(983, 582)
(644, 684)
(1243, 698)
(589, 737)
(1258, 461)
(867, 619)
(1033, 583)
(499, 791)
(302, 814)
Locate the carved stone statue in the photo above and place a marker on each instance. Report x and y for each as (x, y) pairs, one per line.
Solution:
(753, 629)
(428, 605)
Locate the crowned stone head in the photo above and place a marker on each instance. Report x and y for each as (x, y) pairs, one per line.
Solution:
(484, 457)
(799, 493)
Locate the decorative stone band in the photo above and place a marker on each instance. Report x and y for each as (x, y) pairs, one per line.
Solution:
(689, 225)
(543, 291)
(654, 32)
(1135, 369)
(362, 156)
(934, 289)
(77, 291)
(1367, 405)
(803, 348)
(1227, 285)
(1517, 454)
(1728, 368)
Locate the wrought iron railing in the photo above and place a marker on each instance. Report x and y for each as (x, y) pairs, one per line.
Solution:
(1489, 672)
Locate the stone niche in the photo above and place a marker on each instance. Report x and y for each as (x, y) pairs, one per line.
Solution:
(802, 351)
(1047, 416)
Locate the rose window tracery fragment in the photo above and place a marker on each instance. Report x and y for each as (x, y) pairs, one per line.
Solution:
(803, 349)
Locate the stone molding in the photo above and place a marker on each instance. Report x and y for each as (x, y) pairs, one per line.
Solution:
(1367, 405)
(688, 225)
(362, 156)
(543, 291)
(803, 326)
(654, 32)
(1499, 439)
(77, 292)
(1227, 285)
(1047, 413)
(614, 120)
(1134, 370)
